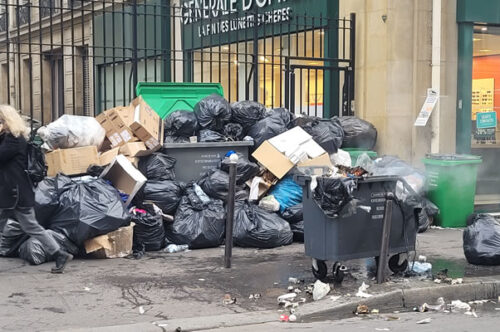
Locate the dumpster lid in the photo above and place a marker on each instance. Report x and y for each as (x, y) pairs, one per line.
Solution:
(446, 159)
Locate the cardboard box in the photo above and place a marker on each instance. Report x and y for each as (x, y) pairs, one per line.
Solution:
(124, 177)
(71, 161)
(116, 244)
(116, 123)
(147, 125)
(134, 161)
(107, 157)
(278, 164)
(135, 149)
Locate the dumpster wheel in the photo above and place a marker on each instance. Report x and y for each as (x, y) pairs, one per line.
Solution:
(319, 269)
(338, 272)
(394, 265)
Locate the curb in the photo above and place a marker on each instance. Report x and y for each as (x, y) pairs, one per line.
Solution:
(478, 289)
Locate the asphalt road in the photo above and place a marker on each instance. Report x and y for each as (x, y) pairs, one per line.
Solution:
(487, 320)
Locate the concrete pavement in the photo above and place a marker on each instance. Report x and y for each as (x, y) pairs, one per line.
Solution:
(163, 291)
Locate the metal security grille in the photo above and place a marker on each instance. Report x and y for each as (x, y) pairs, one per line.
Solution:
(81, 57)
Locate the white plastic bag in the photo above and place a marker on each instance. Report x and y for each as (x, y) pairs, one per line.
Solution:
(71, 131)
(341, 158)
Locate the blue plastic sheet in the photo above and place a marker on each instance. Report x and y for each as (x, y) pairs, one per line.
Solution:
(287, 193)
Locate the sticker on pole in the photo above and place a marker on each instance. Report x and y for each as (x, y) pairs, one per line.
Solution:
(486, 120)
(427, 108)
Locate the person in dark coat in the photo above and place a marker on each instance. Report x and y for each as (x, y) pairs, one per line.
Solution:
(17, 198)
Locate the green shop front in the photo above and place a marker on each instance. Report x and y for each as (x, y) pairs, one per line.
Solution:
(282, 53)
(478, 104)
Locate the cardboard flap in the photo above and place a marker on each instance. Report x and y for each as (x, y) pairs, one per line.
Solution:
(273, 160)
(97, 243)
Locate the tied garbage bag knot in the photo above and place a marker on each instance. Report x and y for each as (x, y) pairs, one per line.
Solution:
(213, 112)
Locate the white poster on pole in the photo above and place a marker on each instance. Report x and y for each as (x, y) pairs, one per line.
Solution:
(427, 108)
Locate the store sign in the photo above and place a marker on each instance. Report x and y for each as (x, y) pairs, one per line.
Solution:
(486, 120)
(213, 17)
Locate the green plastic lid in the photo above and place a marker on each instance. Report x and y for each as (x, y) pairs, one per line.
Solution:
(166, 97)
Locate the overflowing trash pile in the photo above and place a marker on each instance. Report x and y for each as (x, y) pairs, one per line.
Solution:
(111, 187)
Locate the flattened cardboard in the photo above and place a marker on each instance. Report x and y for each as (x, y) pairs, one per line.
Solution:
(107, 157)
(122, 118)
(124, 177)
(147, 125)
(276, 162)
(116, 244)
(135, 149)
(71, 161)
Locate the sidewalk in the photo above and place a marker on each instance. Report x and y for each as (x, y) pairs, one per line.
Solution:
(187, 289)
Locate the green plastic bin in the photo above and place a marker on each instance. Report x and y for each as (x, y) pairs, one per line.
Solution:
(166, 97)
(451, 184)
(355, 153)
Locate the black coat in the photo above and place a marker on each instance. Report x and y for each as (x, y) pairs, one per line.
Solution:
(16, 188)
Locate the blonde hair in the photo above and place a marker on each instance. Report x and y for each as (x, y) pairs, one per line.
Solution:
(13, 122)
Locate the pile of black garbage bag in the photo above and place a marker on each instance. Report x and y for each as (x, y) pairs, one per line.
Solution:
(73, 210)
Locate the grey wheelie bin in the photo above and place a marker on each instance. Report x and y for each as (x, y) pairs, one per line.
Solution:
(358, 235)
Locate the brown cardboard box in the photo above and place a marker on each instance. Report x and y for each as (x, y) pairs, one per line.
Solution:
(111, 130)
(116, 244)
(147, 125)
(124, 177)
(135, 149)
(134, 161)
(279, 165)
(107, 157)
(122, 118)
(71, 161)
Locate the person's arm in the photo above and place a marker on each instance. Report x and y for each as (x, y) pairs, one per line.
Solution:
(9, 148)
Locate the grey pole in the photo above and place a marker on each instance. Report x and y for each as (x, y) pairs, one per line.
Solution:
(386, 236)
(233, 160)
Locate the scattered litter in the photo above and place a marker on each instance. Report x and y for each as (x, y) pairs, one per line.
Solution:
(479, 302)
(457, 304)
(396, 312)
(284, 318)
(290, 288)
(421, 268)
(439, 306)
(381, 329)
(294, 280)
(141, 310)
(334, 298)
(201, 279)
(320, 290)
(86, 289)
(422, 258)
(457, 281)
(173, 248)
(286, 297)
(362, 309)
(302, 300)
(437, 281)
(228, 299)
(292, 318)
(375, 311)
(297, 291)
(436, 227)
(497, 309)
(391, 318)
(424, 321)
(362, 291)
(255, 296)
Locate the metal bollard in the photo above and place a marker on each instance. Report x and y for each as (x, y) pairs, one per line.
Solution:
(386, 236)
(228, 252)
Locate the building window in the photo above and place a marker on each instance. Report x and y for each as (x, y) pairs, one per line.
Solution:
(486, 86)
(26, 89)
(49, 7)
(3, 15)
(4, 89)
(23, 13)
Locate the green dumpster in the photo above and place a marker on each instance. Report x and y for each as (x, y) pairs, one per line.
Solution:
(355, 153)
(451, 182)
(167, 97)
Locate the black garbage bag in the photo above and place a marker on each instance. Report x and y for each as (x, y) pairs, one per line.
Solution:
(245, 169)
(298, 231)
(273, 125)
(197, 224)
(358, 133)
(234, 131)
(157, 166)
(333, 194)
(165, 194)
(149, 231)
(247, 113)
(47, 197)
(207, 135)
(258, 228)
(282, 113)
(88, 209)
(294, 214)
(35, 253)
(37, 168)
(213, 112)
(328, 133)
(426, 215)
(482, 241)
(176, 139)
(181, 123)
(11, 238)
(215, 184)
(95, 170)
